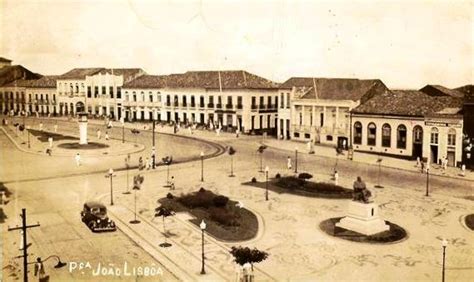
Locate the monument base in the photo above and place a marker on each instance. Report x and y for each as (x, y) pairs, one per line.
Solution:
(363, 218)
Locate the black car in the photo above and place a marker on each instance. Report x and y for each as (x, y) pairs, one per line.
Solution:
(94, 215)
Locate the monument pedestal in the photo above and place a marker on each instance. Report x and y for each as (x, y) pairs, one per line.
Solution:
(83, 128)
(363, 218)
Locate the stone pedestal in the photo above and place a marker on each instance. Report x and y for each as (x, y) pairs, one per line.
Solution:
(363, 218)
(83, 128)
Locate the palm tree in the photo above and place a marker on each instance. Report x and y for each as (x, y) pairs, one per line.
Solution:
(167, 161)
(231, 151)
(164, 212)
(246, 255)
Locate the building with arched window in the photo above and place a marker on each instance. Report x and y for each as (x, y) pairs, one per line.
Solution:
(410, 124)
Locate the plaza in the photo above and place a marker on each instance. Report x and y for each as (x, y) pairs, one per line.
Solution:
(288, 224)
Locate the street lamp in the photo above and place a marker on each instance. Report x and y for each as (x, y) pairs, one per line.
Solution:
(122, 120)
(110, 175)
(444, 243)
(137, 182)
(266, 183)
(379, 161)
(202, 166)
(427, 181)
(127, 166)
(296, 159)
(28, 129)
(203, 227)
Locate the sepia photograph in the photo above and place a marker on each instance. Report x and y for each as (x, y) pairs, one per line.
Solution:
(236, 140)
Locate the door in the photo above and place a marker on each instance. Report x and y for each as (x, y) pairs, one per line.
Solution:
(434, 154)
(451, 158)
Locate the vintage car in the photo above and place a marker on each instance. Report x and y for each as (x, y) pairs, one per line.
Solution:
(94, 215)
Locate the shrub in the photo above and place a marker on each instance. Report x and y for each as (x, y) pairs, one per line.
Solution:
(254, 180)
(169, 196)
(220, 201)
(202, 190)
(223, 216)
(290, 182)
(305, 176)
(202, 199)
(277, 176)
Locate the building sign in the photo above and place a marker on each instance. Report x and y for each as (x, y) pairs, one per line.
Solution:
(441, 124)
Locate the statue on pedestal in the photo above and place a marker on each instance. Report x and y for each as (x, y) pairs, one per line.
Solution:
(361, 193)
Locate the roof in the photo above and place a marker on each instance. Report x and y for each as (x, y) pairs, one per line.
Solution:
(408, 103)
(205, 79)
(47, 81)
(80, 73)
(11, 73)
(94, 204)
(5, 60)
(331, 88)
(128, 74)
(439, 90)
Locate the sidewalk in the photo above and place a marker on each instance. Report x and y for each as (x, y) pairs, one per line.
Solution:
(390, 162)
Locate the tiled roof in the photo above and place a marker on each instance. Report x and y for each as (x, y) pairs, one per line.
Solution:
(47, 81)
(128, 74)
(80, 73)
(5, 60)
(147, 81)
(12, 73)
(407, 103)
(332, 88)
(438, 90)
(205, 79)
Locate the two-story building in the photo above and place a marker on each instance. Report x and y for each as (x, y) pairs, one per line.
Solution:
(317, 109)
(410, 124)
(231, 99)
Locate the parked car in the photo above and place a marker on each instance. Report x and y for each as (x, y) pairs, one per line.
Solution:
(94, 215)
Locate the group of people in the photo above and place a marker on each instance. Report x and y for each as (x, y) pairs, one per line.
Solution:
(99, 135)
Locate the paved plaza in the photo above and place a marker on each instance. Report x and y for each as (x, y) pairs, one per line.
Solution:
(53, 190)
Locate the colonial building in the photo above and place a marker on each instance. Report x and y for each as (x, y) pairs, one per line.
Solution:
(41, 96)
(4, 62)
(231, 99)
(468, 113)
(318, 108)
(410, 124)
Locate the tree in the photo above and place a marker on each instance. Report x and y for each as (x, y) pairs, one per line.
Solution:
(305, 176)
(231, 152)
(243, 255)
(164, 212)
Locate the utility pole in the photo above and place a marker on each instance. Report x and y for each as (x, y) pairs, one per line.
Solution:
(153, 153)
(24, 228)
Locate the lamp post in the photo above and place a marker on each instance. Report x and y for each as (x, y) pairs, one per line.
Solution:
(379, 161)
(28, 129)
(122, 120)
(266, 183)
(203, 227)
(127, 166)
(296, 159)
(110, 175)
(444, 243)
(202, 166)
(427, 181)
(153, 148)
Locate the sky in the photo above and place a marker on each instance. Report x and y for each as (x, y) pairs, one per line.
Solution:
(406, 44)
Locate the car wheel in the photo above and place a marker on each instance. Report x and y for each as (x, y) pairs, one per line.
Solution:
(92, 225)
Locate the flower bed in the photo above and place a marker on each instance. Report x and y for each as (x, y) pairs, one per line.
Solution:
(318, 189)
(225, 221)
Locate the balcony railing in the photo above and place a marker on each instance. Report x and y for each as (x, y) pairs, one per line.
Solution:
(168, 104)
(192, 105)
(239, 106)
(176, 104)
(253, 107)
(219, 106)
(229, 106)
(262, 106)
(184, 104)
(210, 105)
(201, 105)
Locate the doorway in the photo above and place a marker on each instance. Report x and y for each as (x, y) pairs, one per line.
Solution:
(451, 158)
(434, 154)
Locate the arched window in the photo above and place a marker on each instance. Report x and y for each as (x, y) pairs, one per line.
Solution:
(371, 133)
(134, 96)
(434, 135)
(402, 137)
(386, 135)
(452, 137)
(357, 133)
(418, 135)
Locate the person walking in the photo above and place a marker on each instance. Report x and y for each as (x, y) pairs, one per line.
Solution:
(288, 163)
(55, 128)
(147, 163)
(78, 159)
(39, 269)
(106, 136)
(336, 177)
(237, 133)
(98, 134)
(463, 170)
(140, 163)
(417, 161)
(172, 183)
(50, 141)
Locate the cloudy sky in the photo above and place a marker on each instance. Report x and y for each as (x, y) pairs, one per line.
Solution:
(407, 44)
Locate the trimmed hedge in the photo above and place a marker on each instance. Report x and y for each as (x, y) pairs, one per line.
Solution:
(318, 188)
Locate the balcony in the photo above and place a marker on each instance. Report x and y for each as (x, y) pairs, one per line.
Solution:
(176, 104)
(193, 105)
(168, 104)
(240, 106)
(229, 106)
(272, 106)
(219, 106)
(210, 105)
(262, 106)
(253, 107)
(184, 105)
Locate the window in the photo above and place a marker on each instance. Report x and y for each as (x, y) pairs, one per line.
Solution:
(357, 133)
(328, 137)
(239, 102)
(168, 102)
(276, 102)
(418, 135)
(54, 97)
(296, 134)
(307, 135)
(371, 133)
(201, 102)
(434, 135)
(386, 135)
(262, 101)
(229, 100)
(89, 92)
(452, 137)
(184, 101)
(134, 96)
(321, 119)
(77, 88)
(119, 92)
(103, 90)
(287, 100)
(150, 96)
(111, 91)
(282, 98)
(193, 102)
(269, 101)
(96, 91)
(176, 100)
(401, 137)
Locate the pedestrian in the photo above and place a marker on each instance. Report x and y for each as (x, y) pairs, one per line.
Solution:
(140, 163)
(288, 164)
(39, 269)
(344, 144)
(422, 167)
(445, 163)
(78, 159)
(336, 177)
(147, 163)
(417, 161)
(106, 136)
(98, 134)
(237, 133)
(50, 141)
(48, 151)
(55, 128)
(172, 183)
(310, 147)
(463, 170)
